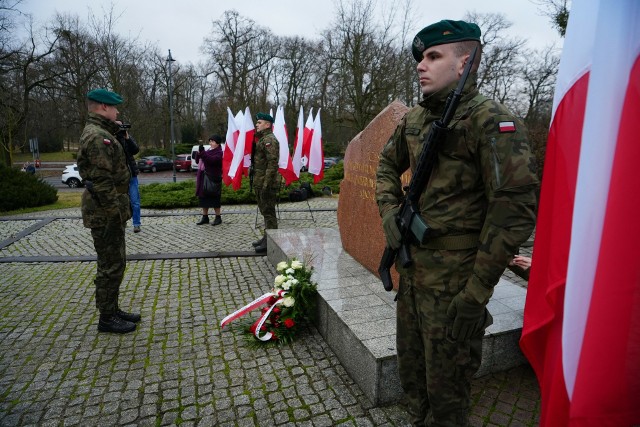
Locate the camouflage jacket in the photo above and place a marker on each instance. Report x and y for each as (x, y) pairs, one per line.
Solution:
(102, 161)
(484, 181)
(265, 161)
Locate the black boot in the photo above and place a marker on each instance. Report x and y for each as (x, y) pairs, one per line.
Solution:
(203, 220)
(129, 317)
(217, 221)
(262, 247)
(258, 242)
(113, 323)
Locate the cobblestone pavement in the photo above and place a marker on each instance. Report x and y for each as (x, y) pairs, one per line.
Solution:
(178, 367)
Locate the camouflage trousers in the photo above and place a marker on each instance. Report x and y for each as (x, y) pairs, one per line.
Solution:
(267, 207)
(109, 244)
(435, 371)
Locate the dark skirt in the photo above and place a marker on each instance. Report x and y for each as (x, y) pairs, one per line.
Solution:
(209, 202)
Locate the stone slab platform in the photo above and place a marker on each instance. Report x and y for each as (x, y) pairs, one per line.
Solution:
(356, 317)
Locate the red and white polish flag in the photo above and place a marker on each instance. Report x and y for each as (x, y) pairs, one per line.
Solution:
(297, 146)
(316, 156)
(236, 169)
(581, 329)
(306, 141)
(285, 165)
(230, 144)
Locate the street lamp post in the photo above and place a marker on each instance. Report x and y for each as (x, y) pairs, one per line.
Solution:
(173, 141)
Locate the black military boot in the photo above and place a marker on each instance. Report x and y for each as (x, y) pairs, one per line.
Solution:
(259, 241)
(203, 220)
(129, 317)
(217, 221)
(113, 323)
(262, 247)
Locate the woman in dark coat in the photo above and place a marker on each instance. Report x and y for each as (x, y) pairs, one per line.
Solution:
(210, 163)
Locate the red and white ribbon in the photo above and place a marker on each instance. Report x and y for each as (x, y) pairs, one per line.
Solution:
(252, 306)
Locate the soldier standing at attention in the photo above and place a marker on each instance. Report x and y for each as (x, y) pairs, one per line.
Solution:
(479, 203)
(266, 179)
(103, 167)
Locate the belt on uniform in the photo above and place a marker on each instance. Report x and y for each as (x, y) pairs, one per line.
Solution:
(452, 243)
(122, 189)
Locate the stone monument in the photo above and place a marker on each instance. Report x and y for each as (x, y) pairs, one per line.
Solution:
(358, 218)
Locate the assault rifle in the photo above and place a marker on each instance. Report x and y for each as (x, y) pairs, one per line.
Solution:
(410, 223)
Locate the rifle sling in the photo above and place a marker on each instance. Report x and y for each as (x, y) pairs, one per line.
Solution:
(452, 243)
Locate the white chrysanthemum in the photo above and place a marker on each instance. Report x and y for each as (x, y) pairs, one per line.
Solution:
(282, 266)
(294, 282)
(286, 285)
(289, 301)
(290, 271)
(280, 279)
(296, 265)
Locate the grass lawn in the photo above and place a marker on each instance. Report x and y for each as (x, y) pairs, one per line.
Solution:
(60, 156)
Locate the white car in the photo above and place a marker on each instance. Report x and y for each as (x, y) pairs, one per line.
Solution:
(71, 176)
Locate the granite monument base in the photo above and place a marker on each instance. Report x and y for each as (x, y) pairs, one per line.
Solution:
(356, 316)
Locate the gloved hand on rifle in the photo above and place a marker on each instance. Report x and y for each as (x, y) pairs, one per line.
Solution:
(390, 227)
(201, 148)
(469, 317)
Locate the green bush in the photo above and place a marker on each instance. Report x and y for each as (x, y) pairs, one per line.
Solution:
(23, 190)
(182, 194)
(153, 152)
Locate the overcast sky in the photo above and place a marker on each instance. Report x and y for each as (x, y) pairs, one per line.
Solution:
(182, 25)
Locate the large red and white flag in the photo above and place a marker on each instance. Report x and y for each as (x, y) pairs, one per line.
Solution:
(230, 144)
(285, 165)
(297, 147)
(316, 156)
(306, 140)
(581, 328)
(239, 154)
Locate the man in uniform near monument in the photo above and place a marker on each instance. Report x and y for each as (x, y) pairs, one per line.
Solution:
(266, 176)
(105, 205)
(479, 203)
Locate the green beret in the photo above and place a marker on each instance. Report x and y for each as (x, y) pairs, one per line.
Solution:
(104, 96)
(264, 116)
(443, 32)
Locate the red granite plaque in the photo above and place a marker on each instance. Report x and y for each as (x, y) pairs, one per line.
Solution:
(358, 218)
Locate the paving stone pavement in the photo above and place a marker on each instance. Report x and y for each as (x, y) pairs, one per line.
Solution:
(178, 367)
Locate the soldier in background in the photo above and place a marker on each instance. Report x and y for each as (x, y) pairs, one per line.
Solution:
(105, 205)
(479, 203)
(266, 177)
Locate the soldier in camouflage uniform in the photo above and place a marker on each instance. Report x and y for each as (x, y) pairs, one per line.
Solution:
(479, 202)
(266, 179)
(105, 205)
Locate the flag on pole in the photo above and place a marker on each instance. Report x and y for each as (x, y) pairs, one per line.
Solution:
(316, 156)
(306, 141)
(581, 329)
(230, 144)
(297, 147)
(238, 160)
(285, 165)
(250, 131)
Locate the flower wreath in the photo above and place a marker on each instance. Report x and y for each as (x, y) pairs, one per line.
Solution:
(290, 302)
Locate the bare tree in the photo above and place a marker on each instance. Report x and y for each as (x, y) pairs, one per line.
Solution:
(239, 50)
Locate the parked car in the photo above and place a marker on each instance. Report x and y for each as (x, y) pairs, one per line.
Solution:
(154, 164)
(71, 176)
(183, 162)
(328, 162)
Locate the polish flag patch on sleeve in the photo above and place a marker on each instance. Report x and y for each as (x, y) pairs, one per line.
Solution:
(507, 127)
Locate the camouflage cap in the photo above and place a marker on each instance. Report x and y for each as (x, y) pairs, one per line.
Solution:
(104, 96)
(443, 32)
(264, 116)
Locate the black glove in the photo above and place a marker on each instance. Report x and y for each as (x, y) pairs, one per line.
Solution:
(201, 148)
(391, 230)
(468, 317)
